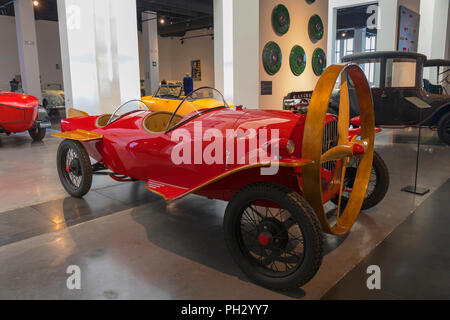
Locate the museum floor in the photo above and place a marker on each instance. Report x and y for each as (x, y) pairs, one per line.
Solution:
(131, 244)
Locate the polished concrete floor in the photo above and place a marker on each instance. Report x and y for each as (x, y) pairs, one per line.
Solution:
(414, 260)
(129, 243)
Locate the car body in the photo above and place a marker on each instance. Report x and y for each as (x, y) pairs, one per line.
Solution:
(398, 91)
(53, 100)
(260, 161)
(442, 72)
(20, 112)
(166, 98)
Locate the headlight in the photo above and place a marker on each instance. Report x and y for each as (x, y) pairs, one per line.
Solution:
(290, 147)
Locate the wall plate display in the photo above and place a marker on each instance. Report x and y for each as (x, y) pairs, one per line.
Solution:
(408, 30)
(297, 60)
(280, 19)
(315, 28)
(272, 58)
(319, 61)
(310, 1)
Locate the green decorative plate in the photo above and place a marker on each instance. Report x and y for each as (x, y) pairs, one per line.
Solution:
(297, 60)
(315, 27)
(280, 19)
(319, 61)
(272, 58)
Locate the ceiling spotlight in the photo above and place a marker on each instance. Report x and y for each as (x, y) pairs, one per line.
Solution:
(162, 21)
(35, 3)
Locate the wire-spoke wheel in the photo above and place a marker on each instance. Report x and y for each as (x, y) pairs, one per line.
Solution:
(377, 187)
(273, 235)
(444, 128)
(74, 168)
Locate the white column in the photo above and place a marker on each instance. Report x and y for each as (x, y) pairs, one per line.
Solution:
(359, 42)
(27, 45)
(236, 51)
(99, 51)
(387, 25)
(151, 51)
(433, 32)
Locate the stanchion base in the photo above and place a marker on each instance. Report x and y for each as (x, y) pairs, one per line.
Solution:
(416, 190)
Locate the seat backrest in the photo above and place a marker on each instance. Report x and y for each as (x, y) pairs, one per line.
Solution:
(432, 88)
(102, 121)
(157, 121)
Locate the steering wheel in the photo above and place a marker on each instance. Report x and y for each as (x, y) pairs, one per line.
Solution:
(344, 151)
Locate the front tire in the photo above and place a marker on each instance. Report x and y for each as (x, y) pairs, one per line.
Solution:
(74, 168)
(37, 134)
(444, 128)
(274, 236)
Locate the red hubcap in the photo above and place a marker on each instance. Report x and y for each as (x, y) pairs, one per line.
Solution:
(263, 240)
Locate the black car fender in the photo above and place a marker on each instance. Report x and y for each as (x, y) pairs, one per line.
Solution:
(433, 119)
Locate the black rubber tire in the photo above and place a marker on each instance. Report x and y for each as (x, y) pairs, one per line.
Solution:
(85, 167)
(37, 134)
(381, 187)
(444, 123)
(306, 219)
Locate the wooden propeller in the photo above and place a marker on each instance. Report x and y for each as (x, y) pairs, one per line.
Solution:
(312, 146)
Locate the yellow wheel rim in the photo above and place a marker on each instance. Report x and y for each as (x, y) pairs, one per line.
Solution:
(312, 145)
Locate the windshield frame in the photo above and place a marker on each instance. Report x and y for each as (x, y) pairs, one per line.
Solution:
(188, 118)
(170, 86)
(110, 120)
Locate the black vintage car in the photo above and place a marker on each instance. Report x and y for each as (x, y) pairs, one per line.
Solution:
(400, 93)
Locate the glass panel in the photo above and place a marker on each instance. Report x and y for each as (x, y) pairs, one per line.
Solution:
(371, 69)
(169, 91)
(197, 102)
(127, 108)
(401, 73)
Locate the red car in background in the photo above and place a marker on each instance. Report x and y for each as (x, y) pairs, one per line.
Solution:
(21, 112)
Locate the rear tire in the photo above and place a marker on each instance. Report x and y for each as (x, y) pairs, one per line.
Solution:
(74, 168)
(37, 134)
(444, 128)
(381, 185)
(301, 218)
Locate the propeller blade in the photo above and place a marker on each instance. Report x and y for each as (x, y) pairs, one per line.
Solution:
(337, 153)
(341, 187)
(344, 112)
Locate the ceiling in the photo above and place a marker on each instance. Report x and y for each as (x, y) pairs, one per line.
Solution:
(179, 16)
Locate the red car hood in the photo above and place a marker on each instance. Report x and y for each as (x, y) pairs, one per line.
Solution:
(14, 99)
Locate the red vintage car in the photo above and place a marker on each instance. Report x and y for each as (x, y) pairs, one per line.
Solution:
(275, 168)
(21, 112)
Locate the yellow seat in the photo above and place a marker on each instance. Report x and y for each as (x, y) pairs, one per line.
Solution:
(157, 121)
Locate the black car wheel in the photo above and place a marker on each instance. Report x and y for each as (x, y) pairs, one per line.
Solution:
(444, 128)
(377, 187)
(74, 168)
(37, 134)
(273, 235)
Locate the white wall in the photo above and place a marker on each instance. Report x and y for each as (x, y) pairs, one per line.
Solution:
(48, 50)
(175, 58)
(284, 81)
